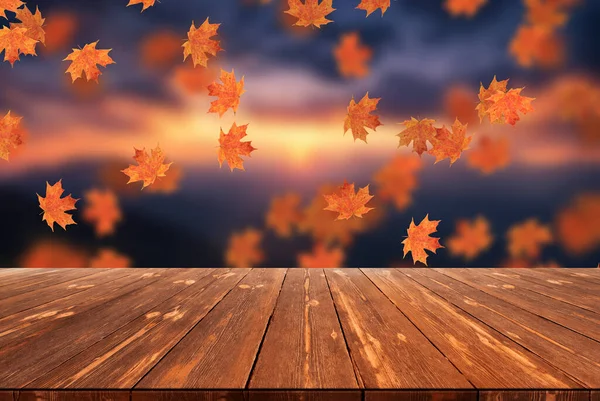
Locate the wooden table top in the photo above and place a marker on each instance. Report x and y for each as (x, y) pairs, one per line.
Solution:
(300, 334)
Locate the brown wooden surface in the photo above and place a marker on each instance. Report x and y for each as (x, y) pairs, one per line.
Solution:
(300, 334)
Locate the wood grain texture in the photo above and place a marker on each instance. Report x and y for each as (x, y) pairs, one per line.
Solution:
(425, 395)
(6, 395)
(311, 395)
(187, 395)
(304, 346)
(588, 274)
(220, 351)
(553, 278)
(532, 395)
(595, 396)
(28, 283)
(101, 395)
(573, 317)
(552, 342)
(387, 348)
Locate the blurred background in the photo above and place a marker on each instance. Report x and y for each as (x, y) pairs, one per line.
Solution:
(427, 61)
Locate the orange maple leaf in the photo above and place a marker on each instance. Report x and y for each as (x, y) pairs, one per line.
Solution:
(32, 22)
(55, 207)
(199, 43)
(231, 147)
(60, 29)
(9, 5)
(471, 238)
(359, 117)
(544, 13)
(53, 254)
(193, 80)
(467, 8)
(109, 258)
(352, 57)
(311, 12)
(526, 239)
(243, 249)
(102, 210)
(397, 179)
(489, 154)
(10, 134)
(169, 183)
(321, 257)
(459, 102)
(418, 132)
(85, 60)
(450, 144)
(14, 42)
(485, 95)
(145, 3)
(348, 203)
(160, 49)
(418, 239)
(578, 226)
(537, 45)
(149, 167)
(228, 93)
(371, 5)
(284, 214)
(501, 106)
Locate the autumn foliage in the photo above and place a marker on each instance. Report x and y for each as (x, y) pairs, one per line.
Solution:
(419, 240)
(149, 167)
(55, 208)
(86, 61)
(348, 203)
(359, 117)
(310, 12)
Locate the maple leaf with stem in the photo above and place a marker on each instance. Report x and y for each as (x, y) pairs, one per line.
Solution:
(371, 5)
(32, 22)
(14, 42)
(450, 144)
(486, 93)
(85, 60)
(418, 132)
(311, 12)
(506, 106)
(351, 57)
(359, 117)
(348, 203)
(397, 179)
(418, 239)
(145, 3)
(322, 257)
(9, 5)
(243, 249)
(149, 168)
(472, 237)
(231, 147)
(489, 155)
(10, 134)
(526, 239)
(467, 8)
(102, 210)
(199, 43)
(228, 93)
(109, 258)
(284, 214)
(54, 207)
(537, 45)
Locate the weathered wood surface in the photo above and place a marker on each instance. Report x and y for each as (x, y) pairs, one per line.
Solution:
(300, 334)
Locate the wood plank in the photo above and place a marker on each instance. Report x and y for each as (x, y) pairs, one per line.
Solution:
(573, 317)
(304, 346)
(554, 343)
(29, 283)
(423, 395)
(76, 333)
(187, 395)
(582, 273)
(531, 282)
(595, 396)
(385, 346)
(18, 274)
(470, 345)
(47, 317)
(6, 271)
(533, 395)
(97, 395)
(298, 395)
(124, 357)
(6, 396)
(220, 351)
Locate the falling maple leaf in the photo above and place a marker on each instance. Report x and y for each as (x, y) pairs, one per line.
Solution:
(199, 43)
(55, 207)
(228, 93)
(501, 106)
(398, 179)
(10, 134)
(243, 249)
(321, 257)
(284, 214)
(32, 22)
(533, 45)
(9, 5)
(160, 49)
(53, 254)
(450, 144)
(459, 102)
(169, 183)
(14, 42)
(352, 57)
(102, 209)
(109, 258)
(193, 80)
(486, 93)
(489, 155)
(471, 238)
(145, 3)
(348, 203)
(467, 8)
(546, 14)
(231, 147)
(311, 12)
(418, 239)
(60, 30)
(149, 167)
(359, 117)
(418, 132)
(578, 226)
(371, 5)
(86, 59)
(526, 239)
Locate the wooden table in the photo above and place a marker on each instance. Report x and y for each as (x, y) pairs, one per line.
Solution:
(300, 334)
